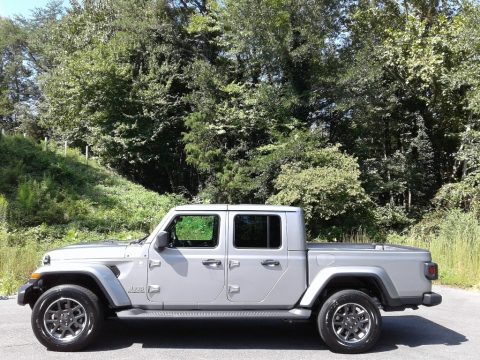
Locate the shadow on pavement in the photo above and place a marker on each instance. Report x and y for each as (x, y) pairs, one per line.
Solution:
(414, 331)
(409, 331)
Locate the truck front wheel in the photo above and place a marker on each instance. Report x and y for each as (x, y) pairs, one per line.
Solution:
(67, 318)
(349, 322)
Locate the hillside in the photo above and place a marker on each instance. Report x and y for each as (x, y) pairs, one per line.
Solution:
(49, 200)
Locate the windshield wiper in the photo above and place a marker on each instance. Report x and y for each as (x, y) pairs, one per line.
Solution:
(141, 240)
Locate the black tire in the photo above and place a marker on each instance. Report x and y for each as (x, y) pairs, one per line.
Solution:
(354, 336)
(88, 326)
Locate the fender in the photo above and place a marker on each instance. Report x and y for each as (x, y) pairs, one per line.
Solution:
(324, 276)
(102, 275)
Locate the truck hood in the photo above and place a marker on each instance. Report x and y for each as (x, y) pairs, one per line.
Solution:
(108, 249)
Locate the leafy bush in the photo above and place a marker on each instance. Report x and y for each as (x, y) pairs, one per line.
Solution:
(36, 203)
(392, 217)
(330, 192)
(464, 194)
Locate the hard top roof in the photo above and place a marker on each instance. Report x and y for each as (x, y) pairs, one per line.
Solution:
(241, 207)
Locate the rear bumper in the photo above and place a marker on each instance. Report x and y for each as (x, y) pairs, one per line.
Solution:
(427, 299)
(431, 299)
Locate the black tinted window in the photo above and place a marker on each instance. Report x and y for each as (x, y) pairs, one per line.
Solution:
(194, 231)
(257, 231)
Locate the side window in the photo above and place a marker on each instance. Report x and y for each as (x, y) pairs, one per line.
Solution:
(257, 231)
(194, 231)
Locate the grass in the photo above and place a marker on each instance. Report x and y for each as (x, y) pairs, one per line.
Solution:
(48, 200)
(453, 238)
(16, 264)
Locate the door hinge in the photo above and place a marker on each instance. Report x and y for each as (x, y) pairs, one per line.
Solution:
(154, 263)
(233, 263)
(153, 289)
(233, 289)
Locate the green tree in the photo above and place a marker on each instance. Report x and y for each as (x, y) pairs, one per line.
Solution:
(258, 89)
(400, 116)
(118, 86)
(242, 101)
(328, 189)
(16, 76)
(25, 54)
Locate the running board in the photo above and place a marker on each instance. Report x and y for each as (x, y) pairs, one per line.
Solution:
(215, 314)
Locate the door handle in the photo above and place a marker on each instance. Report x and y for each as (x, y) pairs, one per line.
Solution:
(212, 262)
(270, 262)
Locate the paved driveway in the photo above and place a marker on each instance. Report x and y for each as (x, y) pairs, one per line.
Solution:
(448, 331)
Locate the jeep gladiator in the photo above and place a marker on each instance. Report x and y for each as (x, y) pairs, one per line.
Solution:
(227, 261)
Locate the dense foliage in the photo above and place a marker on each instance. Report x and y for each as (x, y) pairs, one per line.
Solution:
(365, 113)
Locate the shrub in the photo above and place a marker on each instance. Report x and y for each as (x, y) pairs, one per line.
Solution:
(330, 193)
(36, 203)
(464, 194)
(392, 217)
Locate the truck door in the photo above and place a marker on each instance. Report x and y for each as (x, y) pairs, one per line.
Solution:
(191, 269)
(257, 257)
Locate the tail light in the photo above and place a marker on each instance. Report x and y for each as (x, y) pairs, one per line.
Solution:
(431, 271)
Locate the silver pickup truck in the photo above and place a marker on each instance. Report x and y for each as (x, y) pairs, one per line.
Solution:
(227, 261)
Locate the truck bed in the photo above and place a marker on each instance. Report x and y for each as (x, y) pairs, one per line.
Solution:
(404, 265)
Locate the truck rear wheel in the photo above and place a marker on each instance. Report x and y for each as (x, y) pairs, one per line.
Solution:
(349, 322)
(67, 318)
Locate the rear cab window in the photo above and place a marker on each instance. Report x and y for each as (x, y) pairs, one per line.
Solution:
(257, 231)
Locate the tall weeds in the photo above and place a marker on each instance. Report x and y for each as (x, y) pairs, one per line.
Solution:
(452, 237)
(454, 243)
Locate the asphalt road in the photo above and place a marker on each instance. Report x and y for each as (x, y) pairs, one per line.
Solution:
(448, 331)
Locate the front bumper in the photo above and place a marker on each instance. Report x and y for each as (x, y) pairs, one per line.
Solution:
(431, 299)
(24, 293)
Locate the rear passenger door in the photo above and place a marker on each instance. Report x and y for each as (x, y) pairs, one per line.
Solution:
(257, 256)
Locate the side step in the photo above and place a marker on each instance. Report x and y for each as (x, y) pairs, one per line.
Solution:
(299, 314)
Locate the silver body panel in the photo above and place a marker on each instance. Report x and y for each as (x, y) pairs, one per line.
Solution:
(176, 279)
(100, 273)
(401, 269)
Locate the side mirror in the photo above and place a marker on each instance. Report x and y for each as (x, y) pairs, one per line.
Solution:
(161, 240)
